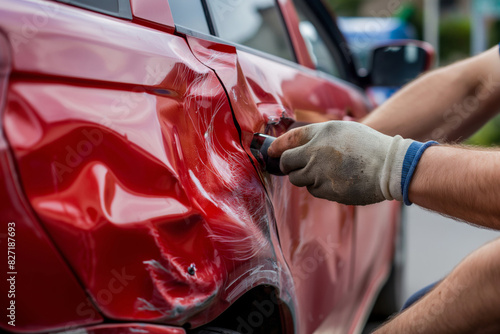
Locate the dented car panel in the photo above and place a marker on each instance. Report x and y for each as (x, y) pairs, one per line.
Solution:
(129, 165)
(140, 177)
(318, 237)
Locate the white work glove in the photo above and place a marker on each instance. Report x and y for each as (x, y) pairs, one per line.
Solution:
(348, 162)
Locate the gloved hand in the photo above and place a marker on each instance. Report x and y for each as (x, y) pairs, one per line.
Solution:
(348, 162)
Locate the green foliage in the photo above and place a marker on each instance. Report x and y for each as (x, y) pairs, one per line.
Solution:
(494, 33)
(454, 32)
(454, 38)
(488, 135)
(345, 7)
(412, 15)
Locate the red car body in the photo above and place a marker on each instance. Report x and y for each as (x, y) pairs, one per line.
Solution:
(130, 199)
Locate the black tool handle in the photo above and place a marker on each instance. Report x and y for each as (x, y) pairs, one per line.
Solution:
(260, 145)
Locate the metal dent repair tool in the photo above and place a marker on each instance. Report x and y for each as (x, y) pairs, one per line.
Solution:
(259, 146)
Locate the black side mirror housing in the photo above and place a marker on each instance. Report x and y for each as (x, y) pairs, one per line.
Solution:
(396, 63)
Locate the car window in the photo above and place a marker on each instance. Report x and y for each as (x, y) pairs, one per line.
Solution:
(120, 8)
(257, 24)
(316, 42)
(189, 14)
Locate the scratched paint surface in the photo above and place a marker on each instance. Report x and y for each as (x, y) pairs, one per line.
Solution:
(130, 157)
(128, 153)
(318, 238)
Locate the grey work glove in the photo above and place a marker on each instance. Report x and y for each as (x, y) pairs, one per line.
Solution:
(346, 162)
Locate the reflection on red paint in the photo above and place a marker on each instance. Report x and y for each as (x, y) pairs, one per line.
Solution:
(127, 169)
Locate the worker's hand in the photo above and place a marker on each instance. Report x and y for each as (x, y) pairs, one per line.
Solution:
(346, 162)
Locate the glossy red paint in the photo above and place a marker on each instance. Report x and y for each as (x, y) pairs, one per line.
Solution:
(133, 329)
(292, 25)
(139, 170)
(153, 12)
(36, 271)
(318, 237)
(131, 145)
(46, 295)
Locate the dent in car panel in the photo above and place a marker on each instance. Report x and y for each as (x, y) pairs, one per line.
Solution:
(259, 98)
(139, 170)
(92, 154)
(317, 236)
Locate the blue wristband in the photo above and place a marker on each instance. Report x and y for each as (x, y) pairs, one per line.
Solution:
(412, 157)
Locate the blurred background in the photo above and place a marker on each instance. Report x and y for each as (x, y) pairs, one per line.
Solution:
(457, 29)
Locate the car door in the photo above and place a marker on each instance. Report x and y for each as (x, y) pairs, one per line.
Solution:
(376, 226)
(268, 90)
(129, 157)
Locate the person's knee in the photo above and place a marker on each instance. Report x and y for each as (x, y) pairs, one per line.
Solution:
(485, 271)
(487, 258)
(492, 259)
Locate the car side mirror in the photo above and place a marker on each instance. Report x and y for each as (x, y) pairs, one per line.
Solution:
(397, 63)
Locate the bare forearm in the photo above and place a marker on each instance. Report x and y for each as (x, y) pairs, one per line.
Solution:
(465, 302)
(446, 104)
(417, 110)
(459, 182)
